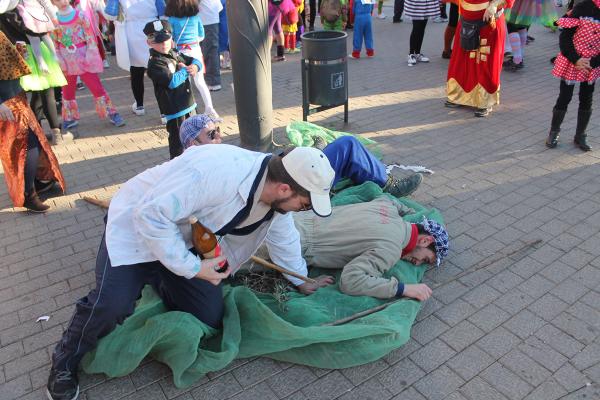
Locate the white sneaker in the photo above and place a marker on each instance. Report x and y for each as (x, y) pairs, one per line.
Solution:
(421, 58)
(214, 88)
(138, 110)
(412, 60)
(381, 16)
(439, 20)
(106, 63)
(212, 114)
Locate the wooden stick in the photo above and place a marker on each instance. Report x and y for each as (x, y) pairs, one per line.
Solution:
(97, 202)
(267, 264)
(352, 317)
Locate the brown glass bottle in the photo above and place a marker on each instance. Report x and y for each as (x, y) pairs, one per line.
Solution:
(203, 239)
(205, 242)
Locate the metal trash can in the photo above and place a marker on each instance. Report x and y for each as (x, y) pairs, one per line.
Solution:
(324, 72)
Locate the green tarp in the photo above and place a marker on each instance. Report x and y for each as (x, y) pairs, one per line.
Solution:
(255, 325)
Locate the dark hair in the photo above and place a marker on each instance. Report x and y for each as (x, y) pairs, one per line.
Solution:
(181, 8)
(422, 231)
(276, 173)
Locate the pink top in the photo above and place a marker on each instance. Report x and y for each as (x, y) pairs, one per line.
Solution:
(76, 46)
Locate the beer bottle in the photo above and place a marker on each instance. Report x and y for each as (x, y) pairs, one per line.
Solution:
(205, 242)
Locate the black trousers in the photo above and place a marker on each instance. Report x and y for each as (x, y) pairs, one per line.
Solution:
(175, 146)
(31, 161)
(43, 104)
(453, 16)
(314, 5)
(113, 300)
(417, 35)
(398, 9)
(586, 93)
(137, 84)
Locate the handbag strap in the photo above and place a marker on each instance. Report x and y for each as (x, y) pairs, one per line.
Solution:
(182, 30)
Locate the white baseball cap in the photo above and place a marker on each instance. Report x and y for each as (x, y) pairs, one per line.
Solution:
(310, 168)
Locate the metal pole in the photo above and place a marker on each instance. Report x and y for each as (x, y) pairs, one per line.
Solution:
(248, 24)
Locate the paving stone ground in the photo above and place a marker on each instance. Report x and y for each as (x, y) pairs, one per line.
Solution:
(514, 327)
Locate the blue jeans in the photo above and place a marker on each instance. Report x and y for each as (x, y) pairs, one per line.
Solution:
(350, 159)
(223, 33)
(210, 51)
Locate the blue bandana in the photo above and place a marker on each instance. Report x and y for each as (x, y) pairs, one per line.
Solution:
(440, 236)
(191, 127)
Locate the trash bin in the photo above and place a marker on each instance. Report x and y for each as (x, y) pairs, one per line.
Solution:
(324, 72)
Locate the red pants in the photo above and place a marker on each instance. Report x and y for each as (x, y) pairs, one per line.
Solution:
(104, 105)
(92, 81)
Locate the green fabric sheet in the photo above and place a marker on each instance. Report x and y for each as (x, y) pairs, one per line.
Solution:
(301, 133)
(255, 325)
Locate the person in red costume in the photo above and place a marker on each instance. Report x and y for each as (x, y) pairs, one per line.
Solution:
(476, 61)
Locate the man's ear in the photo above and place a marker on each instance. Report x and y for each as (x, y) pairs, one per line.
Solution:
(284, 189)
(425, 240)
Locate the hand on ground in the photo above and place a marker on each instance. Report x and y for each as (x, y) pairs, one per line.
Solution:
(310, 288)
(419, 291)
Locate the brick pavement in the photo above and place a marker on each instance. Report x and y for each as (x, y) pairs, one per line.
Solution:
(524, 327)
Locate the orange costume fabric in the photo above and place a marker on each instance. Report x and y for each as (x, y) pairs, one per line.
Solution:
(474, 76)
(13, 134)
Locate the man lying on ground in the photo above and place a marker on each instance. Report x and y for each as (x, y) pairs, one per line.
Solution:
(366, 240)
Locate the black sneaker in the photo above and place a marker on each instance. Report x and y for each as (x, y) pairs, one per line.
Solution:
(402, 187)
(62, 385)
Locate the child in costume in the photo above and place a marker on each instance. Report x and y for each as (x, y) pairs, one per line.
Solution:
(290, 26)
(188, 32)
(40, 57)
(169, 71)
(334, 14)
(78, 55)
(578, 61)
(94, 11)
(363, 9)
(518, 20)
(278, 8)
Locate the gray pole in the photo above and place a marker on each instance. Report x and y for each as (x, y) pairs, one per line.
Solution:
(248, 23)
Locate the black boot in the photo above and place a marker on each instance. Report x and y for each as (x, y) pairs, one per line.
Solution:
(557, 118)
(583, 118)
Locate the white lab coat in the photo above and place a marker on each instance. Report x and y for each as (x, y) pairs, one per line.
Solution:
(130, 40)
(148, 217)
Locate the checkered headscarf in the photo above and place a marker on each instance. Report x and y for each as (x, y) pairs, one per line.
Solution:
(191, 127)
(440, 236)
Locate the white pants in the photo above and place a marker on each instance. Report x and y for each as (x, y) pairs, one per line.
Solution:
(196, 52)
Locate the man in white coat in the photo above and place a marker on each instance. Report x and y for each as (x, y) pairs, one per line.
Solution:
(242, 196)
